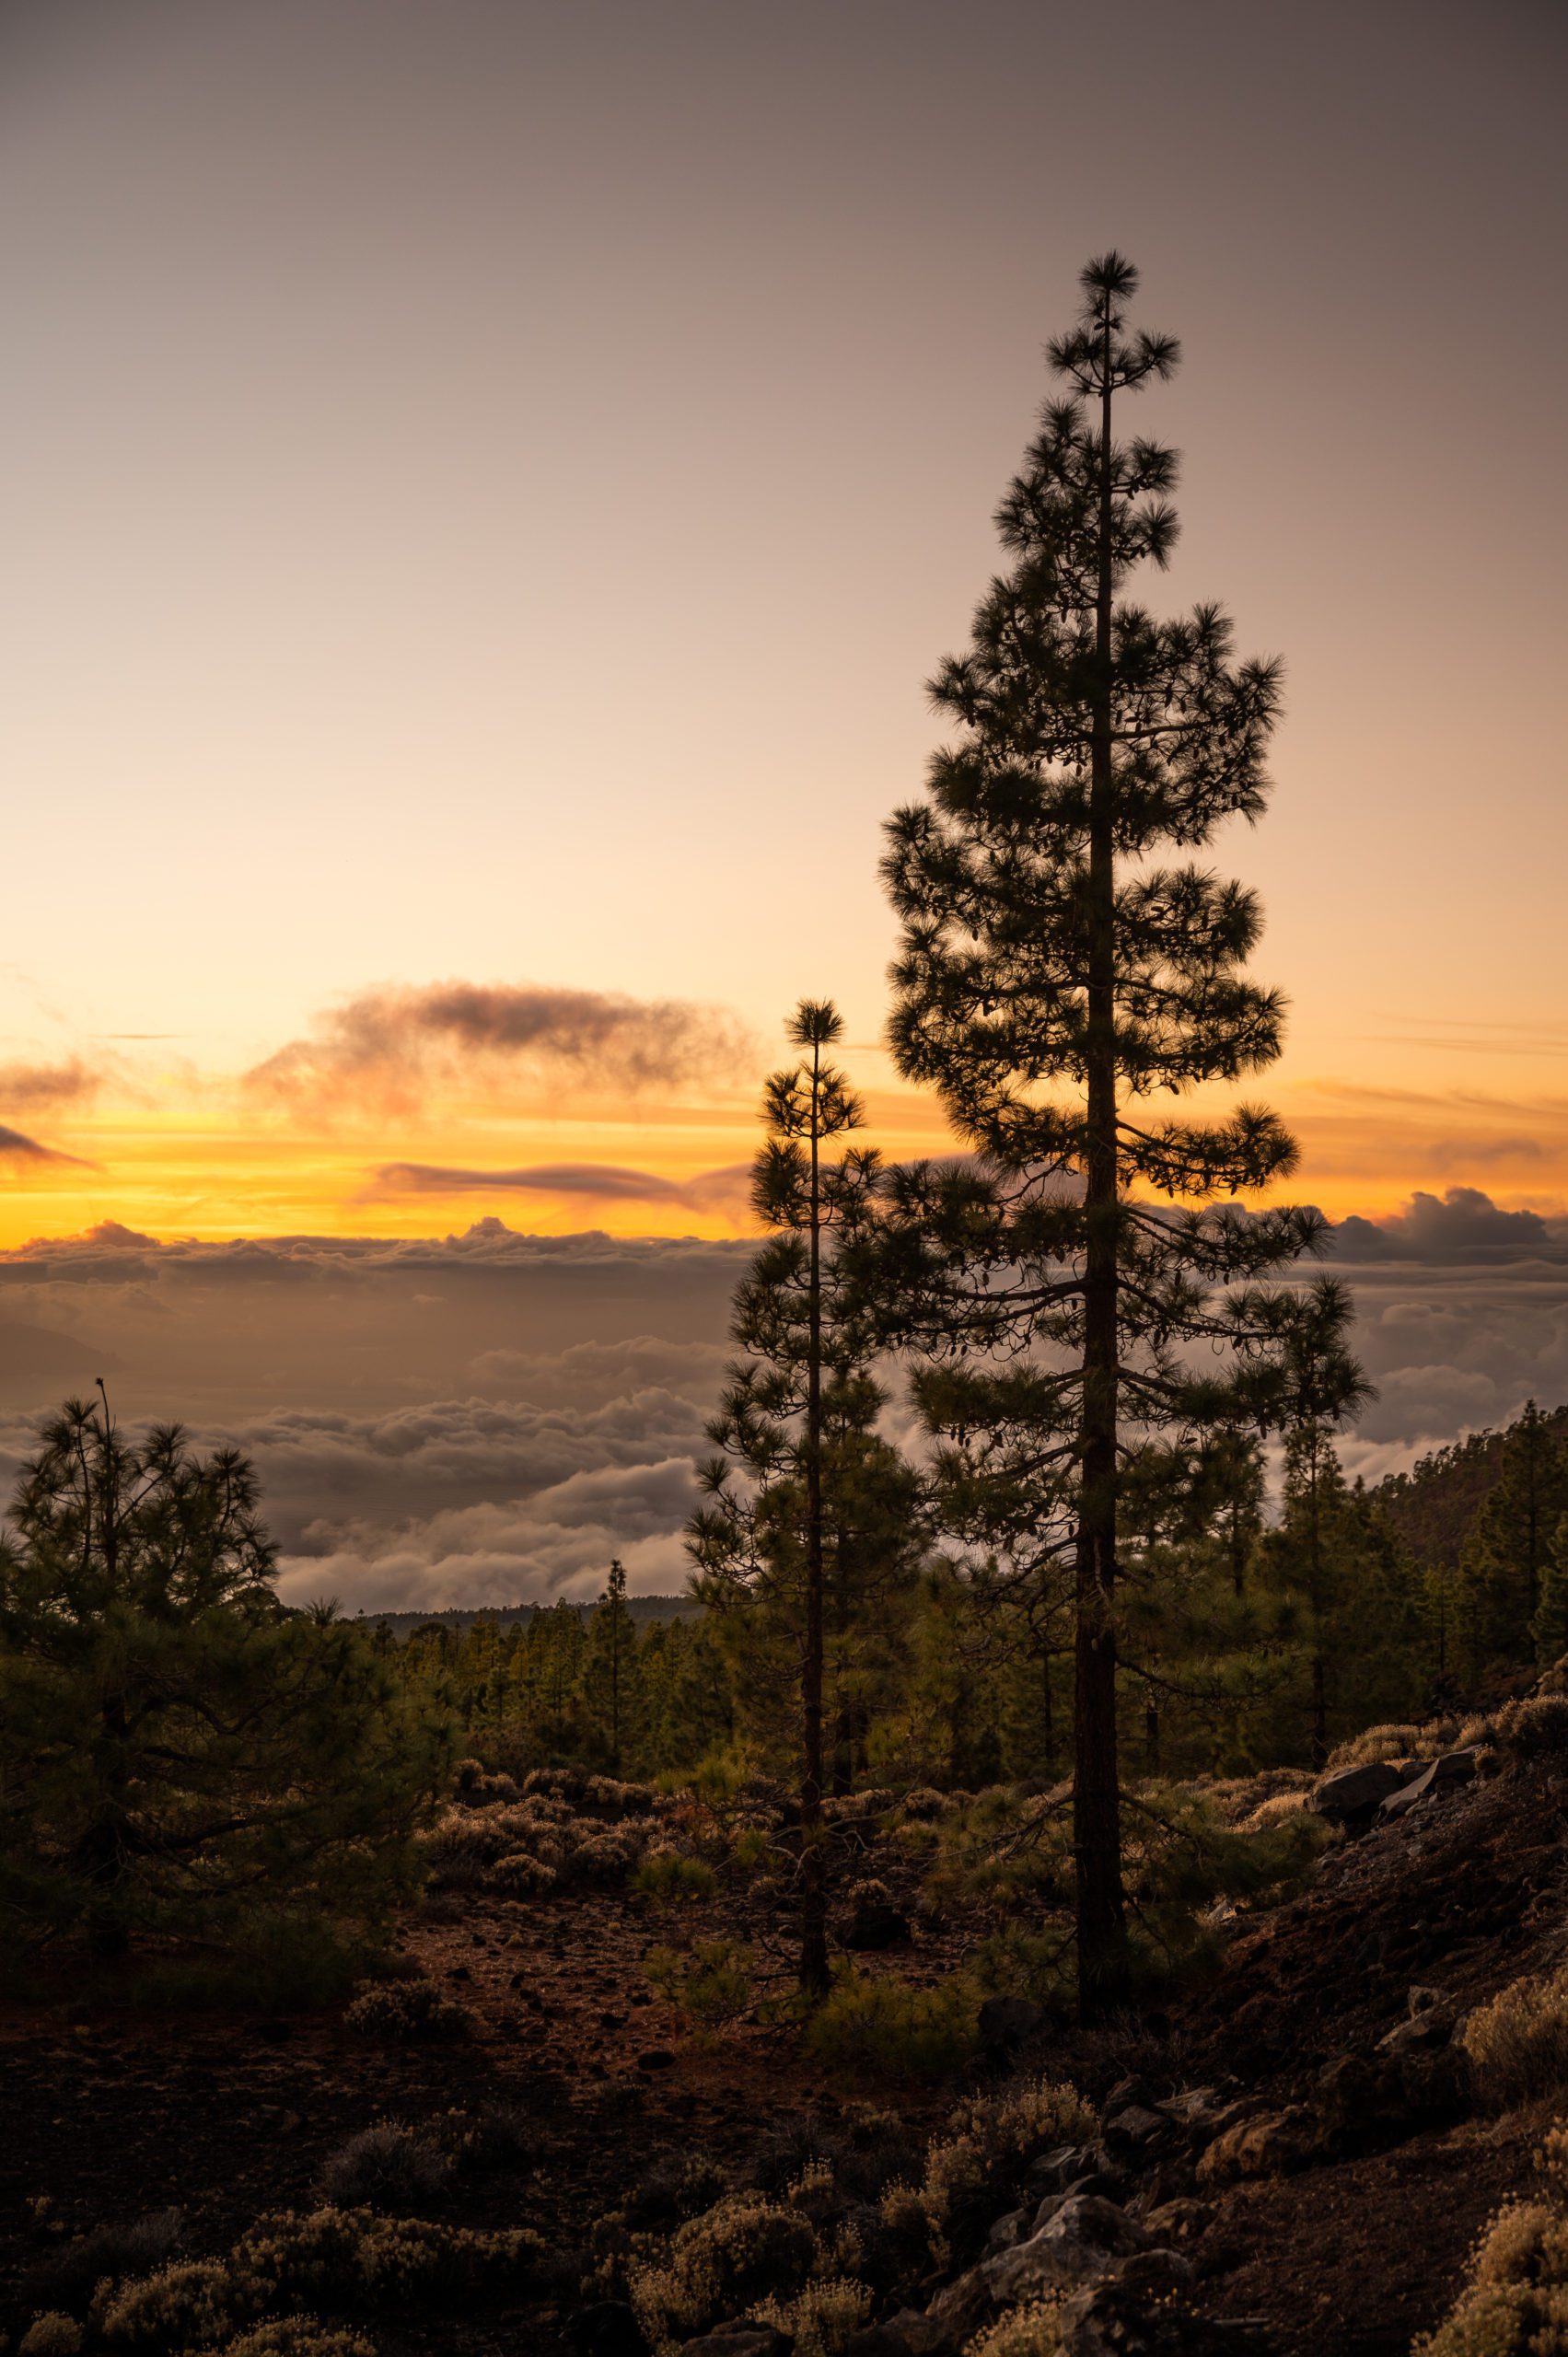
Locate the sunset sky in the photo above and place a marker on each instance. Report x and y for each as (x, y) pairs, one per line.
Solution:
(487, 484)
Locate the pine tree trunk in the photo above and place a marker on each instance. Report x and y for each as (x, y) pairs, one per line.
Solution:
(844, 1727)
(1320, 1713)
(102, 1852)
(1047, 1716)
(1319, 1672)
(1097, 1811)
(813, 1877)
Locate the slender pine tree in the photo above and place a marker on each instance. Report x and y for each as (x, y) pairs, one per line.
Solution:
(610, 1670)
(796, 1421)
(1056, 975)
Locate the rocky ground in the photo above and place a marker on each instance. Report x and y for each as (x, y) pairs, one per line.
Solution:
(1290, 2163)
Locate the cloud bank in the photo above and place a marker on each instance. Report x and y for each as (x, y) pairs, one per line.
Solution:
(389, 1049)
(21, 1151)
(488, 1416)
(25, 1088)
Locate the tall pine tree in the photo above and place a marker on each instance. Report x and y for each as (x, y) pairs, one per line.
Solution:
(1056, 975)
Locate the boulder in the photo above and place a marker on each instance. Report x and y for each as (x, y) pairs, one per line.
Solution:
(1126, 2091)
(889, 2338)
(1193, 2106)
(1135, 2129)
(1114, 2320)
(960, 2308)
(1272, 2144)
(1008, 2230)
(1085, 2236)
(1355, 1791)
(1054, 2171)
(1181, 2221)
(1421, 2033)
(915, 2330)
(1453, 1768)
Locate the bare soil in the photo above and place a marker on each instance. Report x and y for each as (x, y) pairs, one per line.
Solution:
(107, 2114)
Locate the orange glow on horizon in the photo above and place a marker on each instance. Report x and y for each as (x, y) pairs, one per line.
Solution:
(205, 1172)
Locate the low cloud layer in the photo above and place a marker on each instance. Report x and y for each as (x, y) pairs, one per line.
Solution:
(1461, 1228)
(488, 1416)
(727, 1190)
(389, 1051)
(28, 1088)
(21, 1151)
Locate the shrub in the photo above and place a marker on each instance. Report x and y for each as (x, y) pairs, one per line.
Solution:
(498, 2137)
(676, 2188)
(820, 2318)
(477, 1785)
(1516, 2303)
(668, 1876)
(1372, 1744)
(518, 1876)
(1029, 2331)
(51, 2336)
(385, 2167)
(716, 2265)
(1518, 2044)
(889, 2027)
(175, 2307)
(294, 2337)
(68, 2276)
(974, 2172)
(1534, 1728)
(712, 1982)
(394, 2011)
(330, 2259)
(618, 1799)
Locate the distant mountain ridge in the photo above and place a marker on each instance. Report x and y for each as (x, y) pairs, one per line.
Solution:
(459, 1617)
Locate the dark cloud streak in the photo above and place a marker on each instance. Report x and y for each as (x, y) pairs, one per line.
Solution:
(389, 1050)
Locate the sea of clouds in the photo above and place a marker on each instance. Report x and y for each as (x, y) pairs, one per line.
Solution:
(492, 1416)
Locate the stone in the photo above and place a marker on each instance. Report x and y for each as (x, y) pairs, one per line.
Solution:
(1136, 2128)
(1154, 2274)
(1181, 2221)
(1086, 2235)
(887, 2339)
(1354, 1791)
(1008, 2230)
(1193, 2106)
(1270, 2145)
(1420, 2033)
(1007, 2021)
(1452, 1769)
(1125, 2092)
(960, 2308)
(916, 2332)
(1112, 2321)
(1054, 2171)
(655, 2057)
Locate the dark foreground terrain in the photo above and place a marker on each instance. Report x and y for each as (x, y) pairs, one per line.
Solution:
(1300, 2131)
